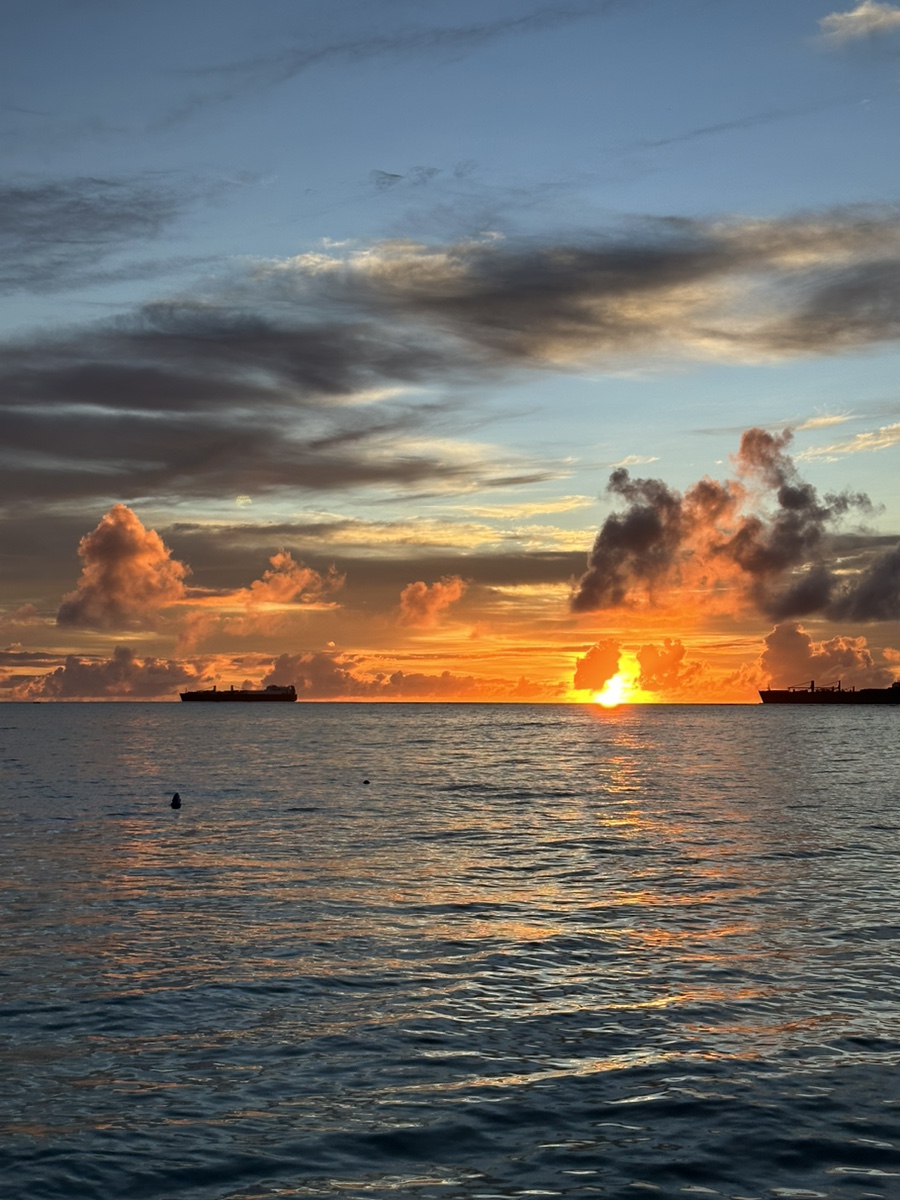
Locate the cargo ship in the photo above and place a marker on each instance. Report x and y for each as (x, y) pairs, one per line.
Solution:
(831, 694)
(232, 694)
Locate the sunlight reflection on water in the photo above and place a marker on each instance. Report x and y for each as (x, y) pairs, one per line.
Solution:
(458, 979)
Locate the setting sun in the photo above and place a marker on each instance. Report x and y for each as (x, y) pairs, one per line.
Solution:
(615, 691)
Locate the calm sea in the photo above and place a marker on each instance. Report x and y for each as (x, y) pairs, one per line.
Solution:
(543, 951)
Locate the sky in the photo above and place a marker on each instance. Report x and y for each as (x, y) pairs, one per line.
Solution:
(410, 350)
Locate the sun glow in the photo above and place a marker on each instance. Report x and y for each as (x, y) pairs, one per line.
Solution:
(614, 692)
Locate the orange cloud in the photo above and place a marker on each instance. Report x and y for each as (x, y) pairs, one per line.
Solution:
(759, 542)
(422, 606)
(289, 582)
(792, 657)
(128, 575)
(664, 669)
(285, 585)
(328, 675)
(598, 666)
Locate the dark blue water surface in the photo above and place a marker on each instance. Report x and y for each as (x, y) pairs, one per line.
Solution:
(544, 951)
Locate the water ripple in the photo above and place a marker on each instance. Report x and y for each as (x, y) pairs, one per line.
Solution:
(545, 951)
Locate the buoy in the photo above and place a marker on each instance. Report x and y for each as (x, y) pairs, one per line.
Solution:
(176, 801)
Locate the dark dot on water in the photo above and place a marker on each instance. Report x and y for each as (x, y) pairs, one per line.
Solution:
(365, 781)
(176, 801)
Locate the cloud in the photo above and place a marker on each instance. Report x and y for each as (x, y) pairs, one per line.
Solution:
(415, 177)
(196, 402)
(704, 289)
(122, 677)
(25, 616)
(884, 438)
(129, 579)
(759, 541)
(749, 121)
(57, 232)
(260, 73)
(513, 510)
(225, 554)
(285, 588)
(128, 576)
(869, 19)
(598, 666)
(422, 605)
(636, 460)
(791, 658)
(326, 675)
(874, 593)
(663, 667)
(288, 582)
(257, 386)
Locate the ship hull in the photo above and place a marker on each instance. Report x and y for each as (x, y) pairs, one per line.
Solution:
(826, 696)
(269, 696)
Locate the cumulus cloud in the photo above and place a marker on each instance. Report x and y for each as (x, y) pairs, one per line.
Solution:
(869, 19)
(128, 576)
(330, 675)
(762, 540)
(14, 620)
(122, 677)
(288, 582)
(284, 588)
(598, 666)
(663, 667)
(422, 605)
(791, 657)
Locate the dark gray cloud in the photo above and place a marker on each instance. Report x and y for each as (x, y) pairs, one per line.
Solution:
(873, 594)
(183, 401)
(765, 538)
(55, 233)
(251, 388)
(847, 308)
(660, 285)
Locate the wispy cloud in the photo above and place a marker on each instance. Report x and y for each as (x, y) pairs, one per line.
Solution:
(263, 72)
(884, 438)
(823, 421)
(57, 232)
(635, 460)
(749, 121)
(521, 510)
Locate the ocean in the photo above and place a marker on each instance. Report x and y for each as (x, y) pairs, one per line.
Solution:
(461, 951)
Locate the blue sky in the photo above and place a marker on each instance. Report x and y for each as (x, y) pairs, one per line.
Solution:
(284, 268)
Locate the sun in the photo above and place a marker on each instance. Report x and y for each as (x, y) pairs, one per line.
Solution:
(615, 691)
